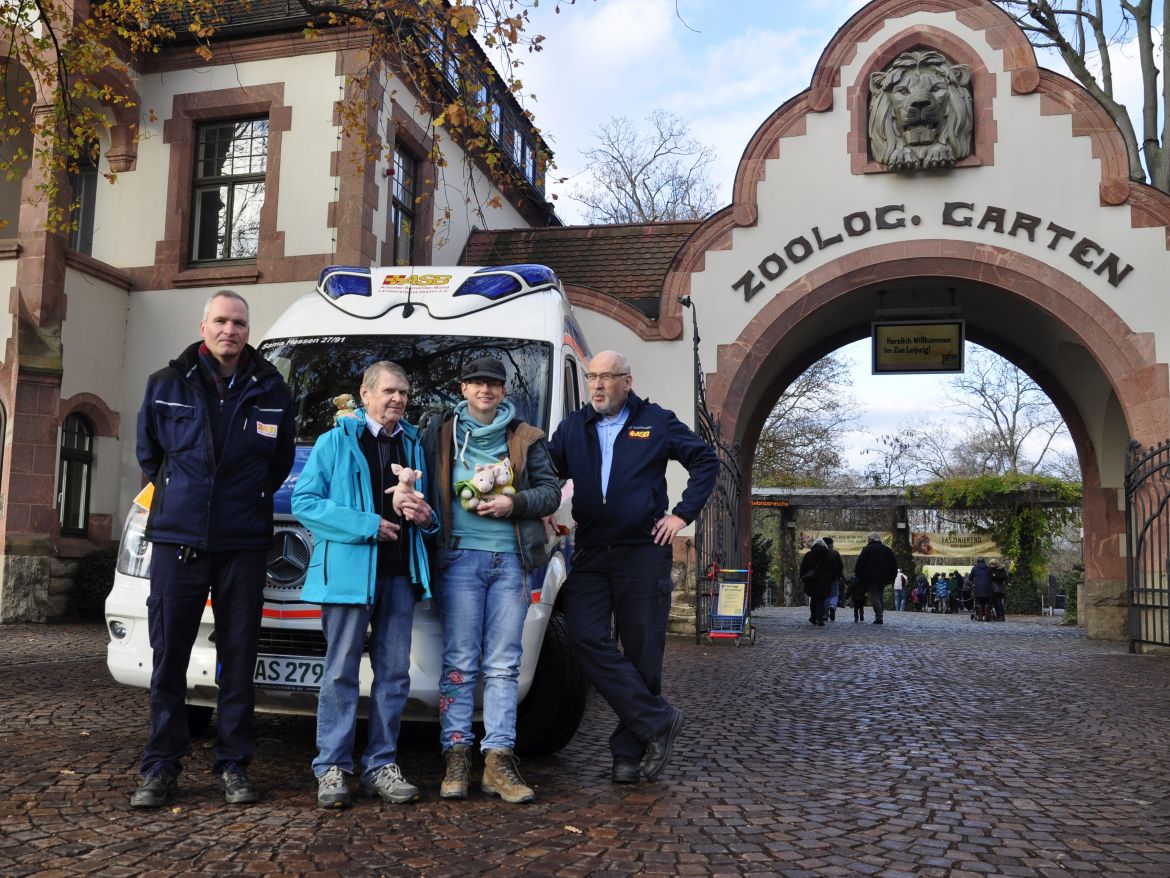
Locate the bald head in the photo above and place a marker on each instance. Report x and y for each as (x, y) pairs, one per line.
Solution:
(609, 382)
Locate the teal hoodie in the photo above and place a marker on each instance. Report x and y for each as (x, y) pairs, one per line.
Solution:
(334, 498)
(486, 444)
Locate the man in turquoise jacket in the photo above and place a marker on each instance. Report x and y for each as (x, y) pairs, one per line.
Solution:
(369, 567)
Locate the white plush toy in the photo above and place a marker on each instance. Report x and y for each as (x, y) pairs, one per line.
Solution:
(481, 483)
(407, 478)
(502, 477)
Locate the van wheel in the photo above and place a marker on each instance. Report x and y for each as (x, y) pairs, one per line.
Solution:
(198, 719)
(548, 718)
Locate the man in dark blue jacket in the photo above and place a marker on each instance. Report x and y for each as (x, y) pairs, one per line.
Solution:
(615, 450)
(875, 568)
(215, 439)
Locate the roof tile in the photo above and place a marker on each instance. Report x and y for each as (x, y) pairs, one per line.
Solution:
(628, 261)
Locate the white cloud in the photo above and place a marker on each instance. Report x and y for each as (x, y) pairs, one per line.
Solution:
(631, 57)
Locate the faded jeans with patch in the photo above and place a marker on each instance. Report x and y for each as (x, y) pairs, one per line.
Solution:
(483, 599)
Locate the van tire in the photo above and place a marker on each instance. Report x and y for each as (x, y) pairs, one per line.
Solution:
(547, 718)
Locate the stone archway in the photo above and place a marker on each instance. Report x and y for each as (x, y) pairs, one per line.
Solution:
(754, 369)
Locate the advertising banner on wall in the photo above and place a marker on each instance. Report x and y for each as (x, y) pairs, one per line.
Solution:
(847, 542)
(952, 545)
(923, 543)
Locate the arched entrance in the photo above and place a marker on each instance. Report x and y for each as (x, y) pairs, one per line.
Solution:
(1100, 375)
(1032, 235)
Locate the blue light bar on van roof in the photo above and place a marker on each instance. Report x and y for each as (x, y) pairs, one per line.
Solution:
(501, 281)
(344, 280)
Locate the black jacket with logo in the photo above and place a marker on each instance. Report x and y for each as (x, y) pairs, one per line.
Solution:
(636, 496)
(199, 501)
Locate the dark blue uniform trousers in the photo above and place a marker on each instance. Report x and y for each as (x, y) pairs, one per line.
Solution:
(178, 594)
(632, 585)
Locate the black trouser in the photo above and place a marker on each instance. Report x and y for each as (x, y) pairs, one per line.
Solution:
(818, 609)
(178, 595)
(632, 584)
(876, 593)
(997, 599)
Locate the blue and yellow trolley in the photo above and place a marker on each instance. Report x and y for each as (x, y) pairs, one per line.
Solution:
(729, 598)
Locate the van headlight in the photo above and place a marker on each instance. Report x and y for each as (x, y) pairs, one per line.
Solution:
(134, 549)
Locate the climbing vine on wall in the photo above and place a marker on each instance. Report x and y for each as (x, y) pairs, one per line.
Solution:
(1023, 514)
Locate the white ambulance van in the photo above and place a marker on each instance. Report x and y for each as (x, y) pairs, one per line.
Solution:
(431, 321)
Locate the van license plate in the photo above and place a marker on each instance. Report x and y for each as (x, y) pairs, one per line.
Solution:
(289, 672)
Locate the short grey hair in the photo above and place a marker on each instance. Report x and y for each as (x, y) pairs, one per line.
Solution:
(819, 542)
(224, 294)
(375, 370)
(873, 535)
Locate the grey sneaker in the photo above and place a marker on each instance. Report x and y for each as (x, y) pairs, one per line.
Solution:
(388, 783)
(331, 789)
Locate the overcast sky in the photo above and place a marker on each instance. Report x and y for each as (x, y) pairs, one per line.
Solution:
(724, 66)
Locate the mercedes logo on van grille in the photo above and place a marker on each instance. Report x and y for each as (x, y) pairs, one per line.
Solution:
(288, 559)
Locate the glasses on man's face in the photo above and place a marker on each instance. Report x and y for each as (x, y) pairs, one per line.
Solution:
(604, 377)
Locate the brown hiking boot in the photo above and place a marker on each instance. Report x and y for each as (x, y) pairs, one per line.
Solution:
(501, 777)
(458, 772)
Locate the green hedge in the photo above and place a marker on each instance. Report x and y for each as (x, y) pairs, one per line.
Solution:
(1022, 599)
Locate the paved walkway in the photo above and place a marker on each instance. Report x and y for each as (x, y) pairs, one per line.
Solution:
(931, 746)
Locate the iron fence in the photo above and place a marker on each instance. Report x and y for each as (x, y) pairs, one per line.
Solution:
(717, 537)
(1147, 538)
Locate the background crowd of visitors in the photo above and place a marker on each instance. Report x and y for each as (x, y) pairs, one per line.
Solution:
(980, 592)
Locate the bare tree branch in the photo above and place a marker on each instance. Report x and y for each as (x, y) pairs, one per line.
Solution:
(651, 175)
(801, 443)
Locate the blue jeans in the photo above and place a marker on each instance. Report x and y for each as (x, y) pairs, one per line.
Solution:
(344, 625)
(899, 598)
(483, 600)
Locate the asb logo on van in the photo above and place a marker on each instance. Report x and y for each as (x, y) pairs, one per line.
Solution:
(415, 280)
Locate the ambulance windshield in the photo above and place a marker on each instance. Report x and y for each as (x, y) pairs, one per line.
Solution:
(320, 370)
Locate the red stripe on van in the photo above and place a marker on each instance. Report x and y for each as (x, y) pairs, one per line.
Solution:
(272, 613)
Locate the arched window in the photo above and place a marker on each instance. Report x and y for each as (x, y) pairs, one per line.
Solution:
(74, 475)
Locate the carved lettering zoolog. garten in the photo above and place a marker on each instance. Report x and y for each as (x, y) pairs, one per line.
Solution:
(1017, 224)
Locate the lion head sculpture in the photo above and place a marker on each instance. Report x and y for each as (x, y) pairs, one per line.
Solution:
(920, 112)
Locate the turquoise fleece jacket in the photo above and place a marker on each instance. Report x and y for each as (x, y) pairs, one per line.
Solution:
(334, 498)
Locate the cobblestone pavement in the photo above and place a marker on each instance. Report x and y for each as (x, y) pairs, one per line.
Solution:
(931, 746)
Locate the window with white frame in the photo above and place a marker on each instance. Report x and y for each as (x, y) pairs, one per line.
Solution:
(403, 194)
(74, 475)
(231, 159)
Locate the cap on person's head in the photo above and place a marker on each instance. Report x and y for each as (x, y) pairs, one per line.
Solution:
(484, 367)
(829, 542)
(873, 535)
